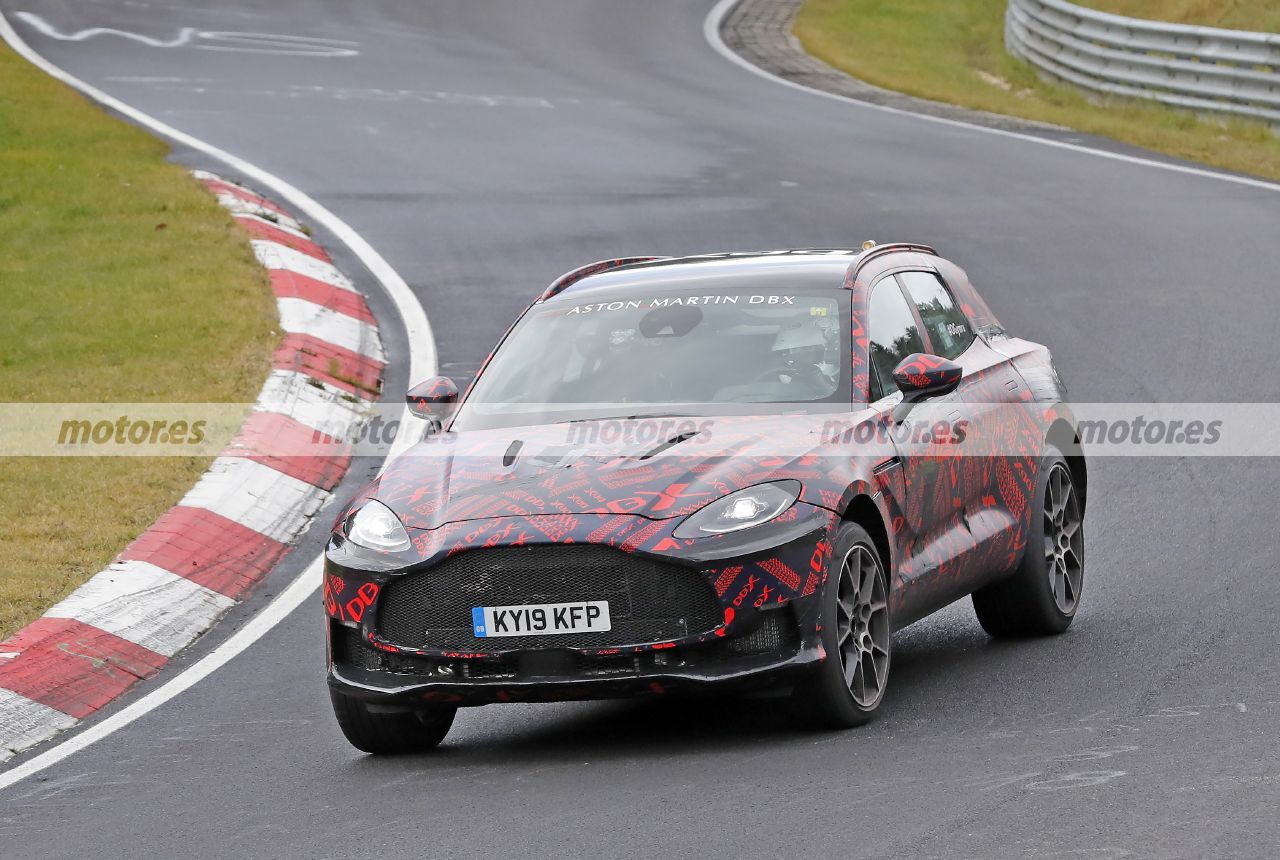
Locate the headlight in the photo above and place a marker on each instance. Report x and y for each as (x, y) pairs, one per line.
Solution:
(740, 510)
(374, 526)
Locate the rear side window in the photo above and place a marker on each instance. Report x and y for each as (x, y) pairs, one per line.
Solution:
(949, 330)
(893, 334)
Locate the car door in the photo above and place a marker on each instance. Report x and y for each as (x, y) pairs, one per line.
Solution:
(964, 533)
(893, 333)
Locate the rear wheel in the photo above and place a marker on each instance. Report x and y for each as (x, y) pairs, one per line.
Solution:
(382, 730)
(845, 690)
(1042, 595)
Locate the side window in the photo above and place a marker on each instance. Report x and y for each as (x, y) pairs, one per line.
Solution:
(892, 330)
(949, 330)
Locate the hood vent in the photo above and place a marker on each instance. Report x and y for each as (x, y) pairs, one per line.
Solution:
(670, 443)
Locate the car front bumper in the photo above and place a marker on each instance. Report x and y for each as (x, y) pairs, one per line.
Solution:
(768, 585)
(771, 656)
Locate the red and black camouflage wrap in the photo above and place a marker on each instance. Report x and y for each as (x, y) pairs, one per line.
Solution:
(927, 373)
(949, 524)
(431, 395)
(761, 580)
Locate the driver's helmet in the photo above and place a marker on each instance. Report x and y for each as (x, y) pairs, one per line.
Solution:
(800, 345)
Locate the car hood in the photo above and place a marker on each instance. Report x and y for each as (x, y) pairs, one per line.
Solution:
(669, 469)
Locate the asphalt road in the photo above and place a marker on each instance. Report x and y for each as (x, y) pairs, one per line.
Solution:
(485, 147)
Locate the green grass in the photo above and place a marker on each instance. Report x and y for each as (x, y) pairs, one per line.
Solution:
(1259, 15)
(953, 51)
(122, 280)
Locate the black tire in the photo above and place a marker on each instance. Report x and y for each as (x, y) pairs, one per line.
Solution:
(1043, 594)
(839, 693)
(384, 731)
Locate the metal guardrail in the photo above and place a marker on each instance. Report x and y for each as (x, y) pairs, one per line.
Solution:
(1200, 68)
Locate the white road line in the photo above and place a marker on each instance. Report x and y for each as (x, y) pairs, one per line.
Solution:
(300, 316)
(184, 36)
(422, 364)
(257, 497)
(223, 40)
(273, 255)
(145, 604)
(152, 79)
(711, 32)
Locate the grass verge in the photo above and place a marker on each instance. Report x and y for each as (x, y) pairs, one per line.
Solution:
(953, 51)
(1258, 15)
(122, 281)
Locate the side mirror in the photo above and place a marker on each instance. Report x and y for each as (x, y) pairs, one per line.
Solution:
(433, 400)
(920, 376)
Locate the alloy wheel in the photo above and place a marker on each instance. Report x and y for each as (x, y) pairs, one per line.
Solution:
(862, 626)
(1063, 539)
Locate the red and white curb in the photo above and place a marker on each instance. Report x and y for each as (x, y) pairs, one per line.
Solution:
(206, 553)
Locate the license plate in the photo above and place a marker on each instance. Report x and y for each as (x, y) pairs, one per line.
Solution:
(540, 619)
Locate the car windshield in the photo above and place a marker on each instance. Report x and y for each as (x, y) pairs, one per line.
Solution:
(663, 353)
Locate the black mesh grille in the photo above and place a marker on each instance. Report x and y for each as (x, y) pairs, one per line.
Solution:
(648, 601)
(777, 633)
(350, 650)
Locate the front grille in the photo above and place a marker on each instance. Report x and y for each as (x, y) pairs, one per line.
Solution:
(777, 634)
(649, 601)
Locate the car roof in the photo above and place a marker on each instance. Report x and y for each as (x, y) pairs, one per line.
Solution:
(767, 271)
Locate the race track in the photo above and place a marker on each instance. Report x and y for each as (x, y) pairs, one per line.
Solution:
(484, 148)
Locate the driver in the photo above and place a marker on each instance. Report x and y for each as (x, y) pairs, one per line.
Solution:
(800, 354)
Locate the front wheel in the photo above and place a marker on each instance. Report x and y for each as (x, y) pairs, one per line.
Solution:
(1043, 594)
(381, 730)
(847, 687)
